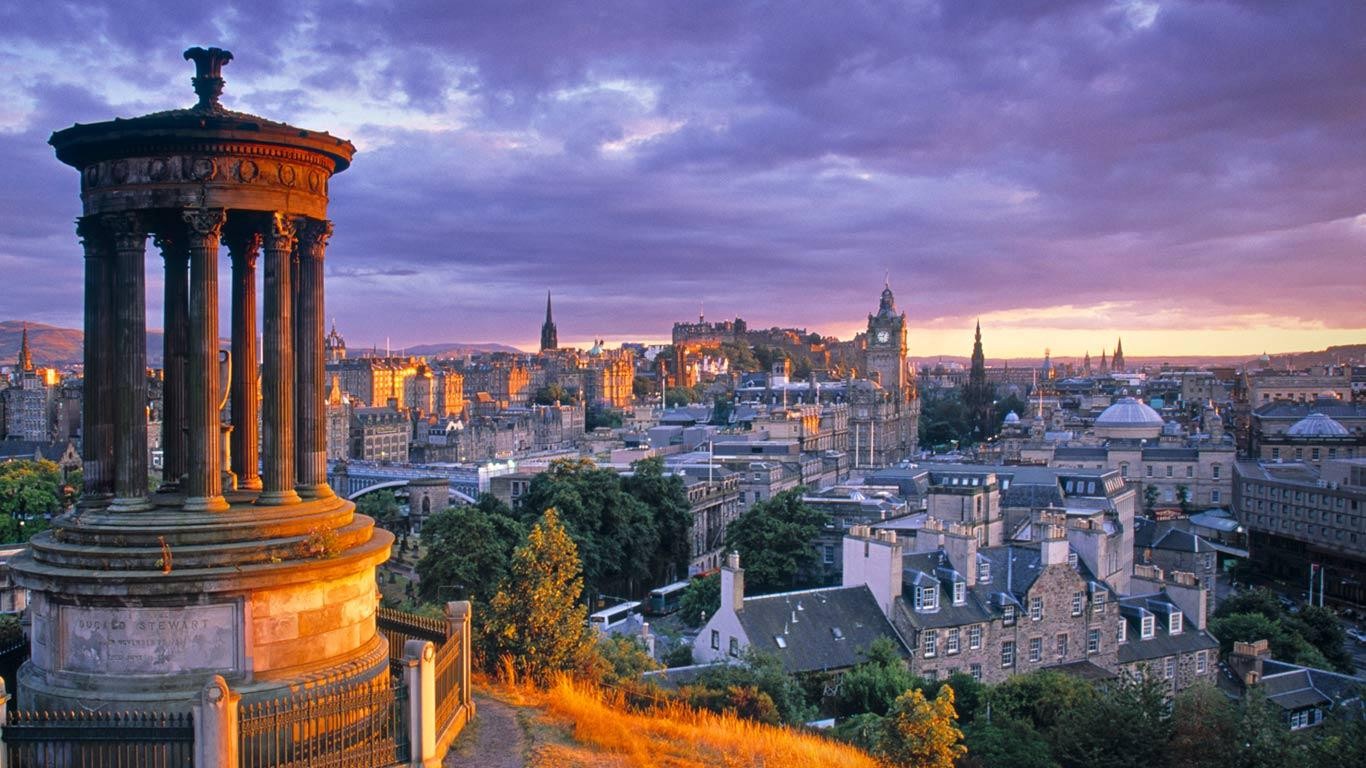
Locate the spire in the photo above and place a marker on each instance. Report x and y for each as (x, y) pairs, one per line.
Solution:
(549, 335)
(1117, 362)
(25, 355)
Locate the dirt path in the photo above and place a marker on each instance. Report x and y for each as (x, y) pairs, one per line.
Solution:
(494, 740)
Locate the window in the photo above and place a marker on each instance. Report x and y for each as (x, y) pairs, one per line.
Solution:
(1169, 470)
(931, 675)
(1093, 641)
(1035, 608)
(1201, 664)
(1061, 645)
(1008, 615)
(1190, 471)
(1314, 454)
(984, 571)
(1123, 634)
(1149, 470)
(960, 590)
(974, 637)
(715, 640)
(1275, 453)
(1078, 602)
(1175, 623)
(1008, 653)
(829, 555)
(734, 647)
(976, 671)
(1214, 471)
(1098, 602)
(1214, 496)
(931, 644)
(951, 645)
(1036, 649)
(1170, 670)
(1146, 630)
(1124, 469)
(927, 598)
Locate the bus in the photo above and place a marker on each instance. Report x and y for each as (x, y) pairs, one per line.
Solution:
(610, 617)
(666, 599)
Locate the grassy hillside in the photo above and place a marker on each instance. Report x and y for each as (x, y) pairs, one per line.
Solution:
(602, 733)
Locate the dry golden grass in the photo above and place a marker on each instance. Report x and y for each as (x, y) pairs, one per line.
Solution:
(608, 735)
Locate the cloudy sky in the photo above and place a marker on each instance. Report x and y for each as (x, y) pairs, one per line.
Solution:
(1190, 175)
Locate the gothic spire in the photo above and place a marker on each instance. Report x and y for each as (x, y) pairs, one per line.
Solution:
(549, 335)
(25, 355)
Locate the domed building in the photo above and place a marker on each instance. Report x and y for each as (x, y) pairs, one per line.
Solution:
(1285, 432)
(1129, 418)
(1317, 425)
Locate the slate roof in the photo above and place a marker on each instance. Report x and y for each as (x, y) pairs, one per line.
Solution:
(833, 627)
(1171, 454)
(1085, 670)
(1291, 686)
(1334, 409)
(28, 449)
(1153, 535)
(1163, 643)
(1080, 453)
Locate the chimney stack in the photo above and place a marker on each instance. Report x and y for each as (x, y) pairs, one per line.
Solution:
(732, 583)
(960, 544)
(1052, 534)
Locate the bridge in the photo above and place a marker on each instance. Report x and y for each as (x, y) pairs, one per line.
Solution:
(354, 479)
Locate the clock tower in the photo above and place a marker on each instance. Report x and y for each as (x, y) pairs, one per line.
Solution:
(885, 350)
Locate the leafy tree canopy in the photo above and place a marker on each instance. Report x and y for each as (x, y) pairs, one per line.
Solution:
(469, 550)
(700, 599)
(776, 542)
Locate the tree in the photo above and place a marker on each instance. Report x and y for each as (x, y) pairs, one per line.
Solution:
(469, 550)
(625, 659)
(670, 514)
(381, 505)
(721, 410)
(700, 600)
(1004, 742)
(30, 491)
(920, 733)
(1183, 495)
(536, 619)
(1150, 494)
(1204, 729)
(551, 394)
(1087, 736)
(1320, 628)
(597, 416)
(776, 542)
(1010, 404)
(874, 684)
(760, 671)
(614, 532)
(1040, 698)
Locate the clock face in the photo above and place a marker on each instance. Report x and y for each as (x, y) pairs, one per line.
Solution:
(882, 336)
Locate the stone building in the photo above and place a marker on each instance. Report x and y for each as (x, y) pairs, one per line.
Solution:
(376, 381)
(1313, 432)
(505, 378)
(31, 399)
(1162, 634)
(1298, 516)
(380, 434)
(338, 415)
(884, 412)
(1173, 549)
(1269, 387)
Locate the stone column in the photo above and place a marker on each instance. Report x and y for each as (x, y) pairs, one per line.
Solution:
(97, 417)
(277, 404)
(312, 420)
(175, 326)
(129, 362)
(244, 245)
(419, 673)
(204, 481)
(215, 716)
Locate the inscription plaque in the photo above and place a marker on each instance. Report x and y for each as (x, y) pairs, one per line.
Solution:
(146, 641)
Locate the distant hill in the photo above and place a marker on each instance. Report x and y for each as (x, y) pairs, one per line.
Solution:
(58, 347)
(457, 349)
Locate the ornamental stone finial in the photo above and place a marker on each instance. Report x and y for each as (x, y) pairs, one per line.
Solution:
(208, 71)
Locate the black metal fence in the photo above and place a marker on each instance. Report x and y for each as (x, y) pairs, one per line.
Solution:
(363, 726)
(99, 739)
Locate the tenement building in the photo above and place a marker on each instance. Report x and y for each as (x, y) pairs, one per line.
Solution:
(1298, 516)
(244, 569)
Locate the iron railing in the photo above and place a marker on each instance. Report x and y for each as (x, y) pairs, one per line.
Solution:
(100, 739)
(363, 726)
(447, 671)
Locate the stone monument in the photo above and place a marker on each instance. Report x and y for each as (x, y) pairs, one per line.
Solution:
(257, 572)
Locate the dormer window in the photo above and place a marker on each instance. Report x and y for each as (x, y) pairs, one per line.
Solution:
(984, 571)
(927, 599)
(1008, 615)
(1098, 601)
(1072, 559)
(960, 592)
(1175, 622)
(1147, 629)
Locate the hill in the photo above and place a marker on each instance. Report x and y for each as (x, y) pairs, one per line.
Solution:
(457, 349)
(577, 726)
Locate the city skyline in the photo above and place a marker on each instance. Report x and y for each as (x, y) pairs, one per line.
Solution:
(1182, 175)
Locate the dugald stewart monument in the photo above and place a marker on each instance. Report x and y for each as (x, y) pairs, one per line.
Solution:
(243, 563)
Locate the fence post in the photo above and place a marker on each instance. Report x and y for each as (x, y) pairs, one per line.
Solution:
(458, 625)
(420, 674)
(215, 725)
(4, 721)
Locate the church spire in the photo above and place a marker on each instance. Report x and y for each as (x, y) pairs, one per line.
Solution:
(1117, 362)
(25, 356)
(549, 335)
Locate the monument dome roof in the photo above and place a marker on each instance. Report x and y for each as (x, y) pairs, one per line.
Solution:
(1012, 418)
(1317, 425)
(1128, 411)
